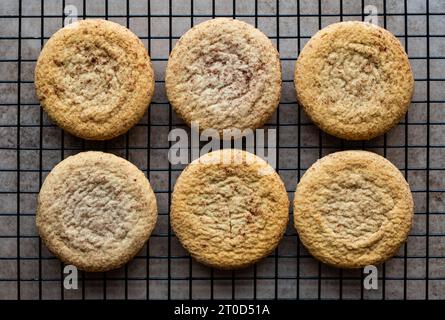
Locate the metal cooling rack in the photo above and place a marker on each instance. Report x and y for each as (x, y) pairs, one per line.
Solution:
(30, 145)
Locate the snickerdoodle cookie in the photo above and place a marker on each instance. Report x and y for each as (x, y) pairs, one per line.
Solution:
(224, 74)
(229, 209)
(94, 79)
(96, 211)
(354, 80)
(352, 209)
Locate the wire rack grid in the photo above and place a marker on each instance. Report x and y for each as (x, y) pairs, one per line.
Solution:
(30, 145)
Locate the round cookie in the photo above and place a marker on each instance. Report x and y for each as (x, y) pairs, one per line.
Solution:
(229, 209)
(94, 79)
(224, 74)
(95, 211)
(354, 80)
(352, 209)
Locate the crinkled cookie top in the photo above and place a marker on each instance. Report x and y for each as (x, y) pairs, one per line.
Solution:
(96, 211)
(229, 212)
(94, 79)
(354, 80)
(352, 209)
(224, 74)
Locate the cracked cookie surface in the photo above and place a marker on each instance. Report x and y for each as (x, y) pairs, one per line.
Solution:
(352, 209)
(94, 79)
(95, 211)
(354, 80)
(229, 209)
(224, 74)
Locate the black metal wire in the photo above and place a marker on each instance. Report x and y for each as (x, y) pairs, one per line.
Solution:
(405, 246)
(42, 32)
(62, 156)
(340, 293)
(233, 272)
(299, 153)
(212, 271)
(127, 152)
(385, 152)
(147, 260)
(178, 278)
(255, 266)
(191, 277)
(277, 21)
(170, 115)
(19, 76)
(84, 7)
(427, 183)
(209, 15)
(104, 274)
(420, 257)
(300, 145)
(320, 154)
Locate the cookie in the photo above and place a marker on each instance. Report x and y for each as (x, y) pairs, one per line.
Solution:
(352, 209)
(354, 80)
(94, 79)
(95, 211)
(229, 209)
(224, 74)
